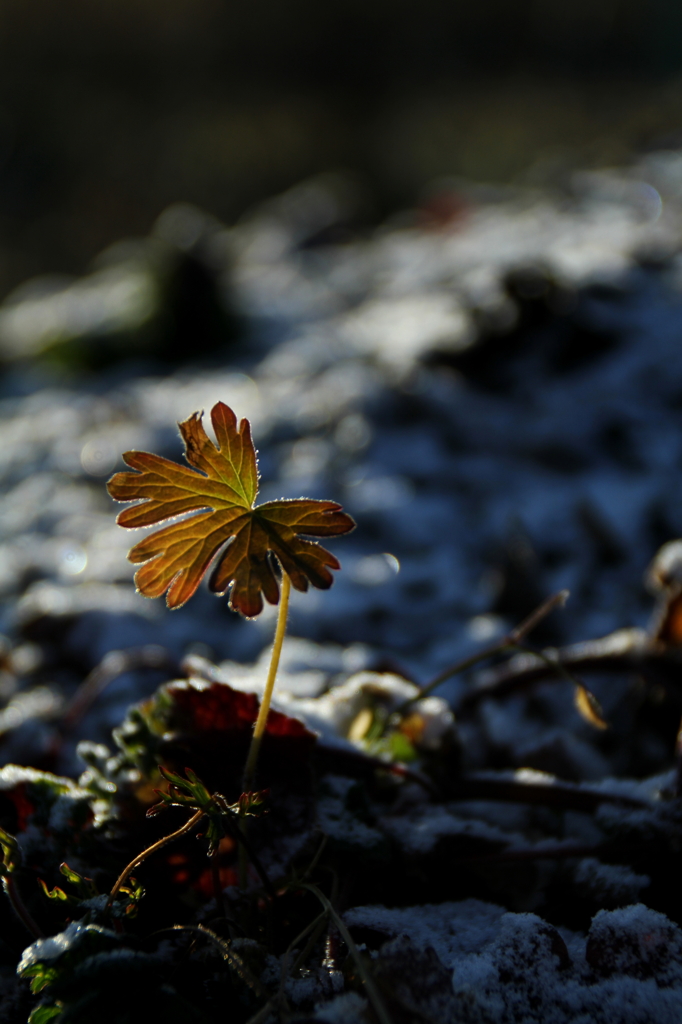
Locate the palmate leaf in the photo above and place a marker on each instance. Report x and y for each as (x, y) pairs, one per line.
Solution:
(221, 491)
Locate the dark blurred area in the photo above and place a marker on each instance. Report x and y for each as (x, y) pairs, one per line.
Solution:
(110, 111)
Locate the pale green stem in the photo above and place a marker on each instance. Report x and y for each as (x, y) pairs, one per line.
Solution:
(261, 721)
(148, 852)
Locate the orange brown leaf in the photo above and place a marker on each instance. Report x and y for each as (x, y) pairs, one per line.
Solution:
(220, 491)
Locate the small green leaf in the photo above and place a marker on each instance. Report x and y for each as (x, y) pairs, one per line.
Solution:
(11, 854)
(41, 976)
(85, 885)
(134, 893)
(55, 894)
(172, 777)
(69, 874)
(193, 777)
(401, 748)
(44, 1013)
(253, 803)
(189, 792)
(198, 789)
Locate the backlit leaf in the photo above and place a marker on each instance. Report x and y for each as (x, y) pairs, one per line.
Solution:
(220, 490)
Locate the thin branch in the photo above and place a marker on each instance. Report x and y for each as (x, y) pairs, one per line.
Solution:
(604, 656)
(235, 962)
(312, 926)
(194, 820)
(595, 716)
(261, 721)
(372, 990)
(521, 631)
(511, 639)
(485, 786)
(321, 923)
(263, 711)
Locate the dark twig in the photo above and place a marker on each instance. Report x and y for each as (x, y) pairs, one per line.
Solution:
(19, 908)
(594, 713)
(235, 962)
(194, 820)
(511, 639)
(370, 986)
(624, 652)
(318, 927)
(316, 934)
(313, 926)
(521, 631)
(486, 786)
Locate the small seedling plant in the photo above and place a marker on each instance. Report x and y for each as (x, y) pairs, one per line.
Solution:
(259, 551)
(211, 525)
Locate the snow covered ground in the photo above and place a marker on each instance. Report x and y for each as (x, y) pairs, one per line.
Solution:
(497, 400)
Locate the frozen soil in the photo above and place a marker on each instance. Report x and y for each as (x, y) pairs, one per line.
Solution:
(497, 400)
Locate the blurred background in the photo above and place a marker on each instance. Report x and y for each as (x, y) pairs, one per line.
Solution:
(433, 251)
(111, 111)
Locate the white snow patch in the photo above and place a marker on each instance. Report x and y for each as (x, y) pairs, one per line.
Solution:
(451, 929)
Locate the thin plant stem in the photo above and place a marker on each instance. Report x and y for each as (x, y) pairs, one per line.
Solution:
(261, 721)
(225, 947)
(510, 640)
(20, 908)
(319, 929)
(311, 927)
(263, 711)
(370, 985)
(552, 661)
(320, 924)
(194, 820)
(597, 715)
